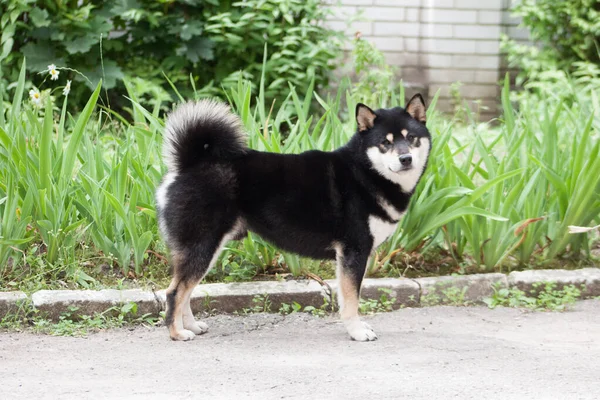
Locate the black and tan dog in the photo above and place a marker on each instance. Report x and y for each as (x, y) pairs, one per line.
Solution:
(326, 205)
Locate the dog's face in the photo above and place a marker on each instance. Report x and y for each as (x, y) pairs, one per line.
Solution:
(396, 141)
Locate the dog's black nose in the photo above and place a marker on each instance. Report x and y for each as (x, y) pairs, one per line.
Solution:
(405, 160)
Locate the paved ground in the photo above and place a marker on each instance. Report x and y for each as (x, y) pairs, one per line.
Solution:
(427, 353)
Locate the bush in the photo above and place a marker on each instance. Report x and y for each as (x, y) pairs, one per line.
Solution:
(203, 44)
(566, 34)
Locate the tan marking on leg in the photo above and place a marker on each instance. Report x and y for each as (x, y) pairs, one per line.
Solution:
(404, 132)
(390, 137)
(348, 298)
(185, 326)
(189, 322)
(176, 330)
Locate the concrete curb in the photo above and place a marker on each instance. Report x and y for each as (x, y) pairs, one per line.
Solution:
(230, 297)
(9, 302)
(471, 288)
(53, 303)
(587, 277)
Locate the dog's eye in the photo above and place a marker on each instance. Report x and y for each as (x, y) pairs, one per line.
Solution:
(386, 143)
(410, 137)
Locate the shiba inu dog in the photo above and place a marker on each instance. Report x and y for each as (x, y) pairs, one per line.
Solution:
(326, 205)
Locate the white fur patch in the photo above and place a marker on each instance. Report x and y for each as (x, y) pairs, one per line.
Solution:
(161, 200)
(161, 192)
(237, 228)
(184, 335)
(197, 113)
(359, 330)
(190, 323)
(419, 154)
(390, 210)
(388, 165)
(380, 230)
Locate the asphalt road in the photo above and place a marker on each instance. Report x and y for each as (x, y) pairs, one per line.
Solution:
(427, 353)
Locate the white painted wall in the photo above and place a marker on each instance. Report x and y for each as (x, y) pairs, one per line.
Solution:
(437, 42)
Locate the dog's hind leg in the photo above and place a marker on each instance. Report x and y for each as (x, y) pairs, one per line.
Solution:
(177, 294)
(189, 322)
(188, 271)
(351, 267)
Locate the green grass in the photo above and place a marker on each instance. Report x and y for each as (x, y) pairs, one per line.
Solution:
(77, 192)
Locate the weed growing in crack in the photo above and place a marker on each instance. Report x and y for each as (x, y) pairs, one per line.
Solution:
(17, 320)
(287, 309)
(444, 293)
(548, 298)
(70, 323)
(207, 303)
(325, 309)
(261, 304)
(455, 296)
(385, 303)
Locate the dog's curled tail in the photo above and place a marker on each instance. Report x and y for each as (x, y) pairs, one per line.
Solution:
(202, 130)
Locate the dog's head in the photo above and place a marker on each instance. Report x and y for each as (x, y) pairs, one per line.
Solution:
(396, 141)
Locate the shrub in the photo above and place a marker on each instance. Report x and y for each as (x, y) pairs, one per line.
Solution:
(376, 79)
(204, 44)
(566, 34)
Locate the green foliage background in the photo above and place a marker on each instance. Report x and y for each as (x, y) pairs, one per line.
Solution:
(205, 44)
(566, 34)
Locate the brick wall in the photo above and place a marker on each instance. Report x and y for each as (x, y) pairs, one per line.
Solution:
(437, 42)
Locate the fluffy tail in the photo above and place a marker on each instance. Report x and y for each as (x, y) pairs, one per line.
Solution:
(202, 130)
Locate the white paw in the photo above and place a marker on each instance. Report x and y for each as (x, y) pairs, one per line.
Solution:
(183, 335)
(198, 327)
(360, 331)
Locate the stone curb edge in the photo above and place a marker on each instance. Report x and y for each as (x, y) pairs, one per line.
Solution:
(230, 297)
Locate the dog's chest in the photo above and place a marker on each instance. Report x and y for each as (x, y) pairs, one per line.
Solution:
(381, 229)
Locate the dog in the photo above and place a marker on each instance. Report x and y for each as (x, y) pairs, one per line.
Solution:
(325, 205)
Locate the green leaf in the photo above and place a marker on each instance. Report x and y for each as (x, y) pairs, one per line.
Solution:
(39, 17)
(15, 242)
(196, 49)
(39, 55)
(188, 30)
(110, 75)
(78, 131)
(81, 44)
(129, 308)
(6, 48)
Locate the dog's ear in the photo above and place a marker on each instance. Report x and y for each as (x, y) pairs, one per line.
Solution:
(365, 117)
(416, 108)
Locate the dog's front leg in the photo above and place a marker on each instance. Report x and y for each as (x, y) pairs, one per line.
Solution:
(351, 266)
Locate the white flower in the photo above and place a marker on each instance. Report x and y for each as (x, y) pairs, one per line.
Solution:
(53, 72)
(582, 229)
(36, 97)
(67, 88)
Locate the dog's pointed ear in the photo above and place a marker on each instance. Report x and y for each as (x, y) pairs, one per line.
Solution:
(416, 108)
(365, 117)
